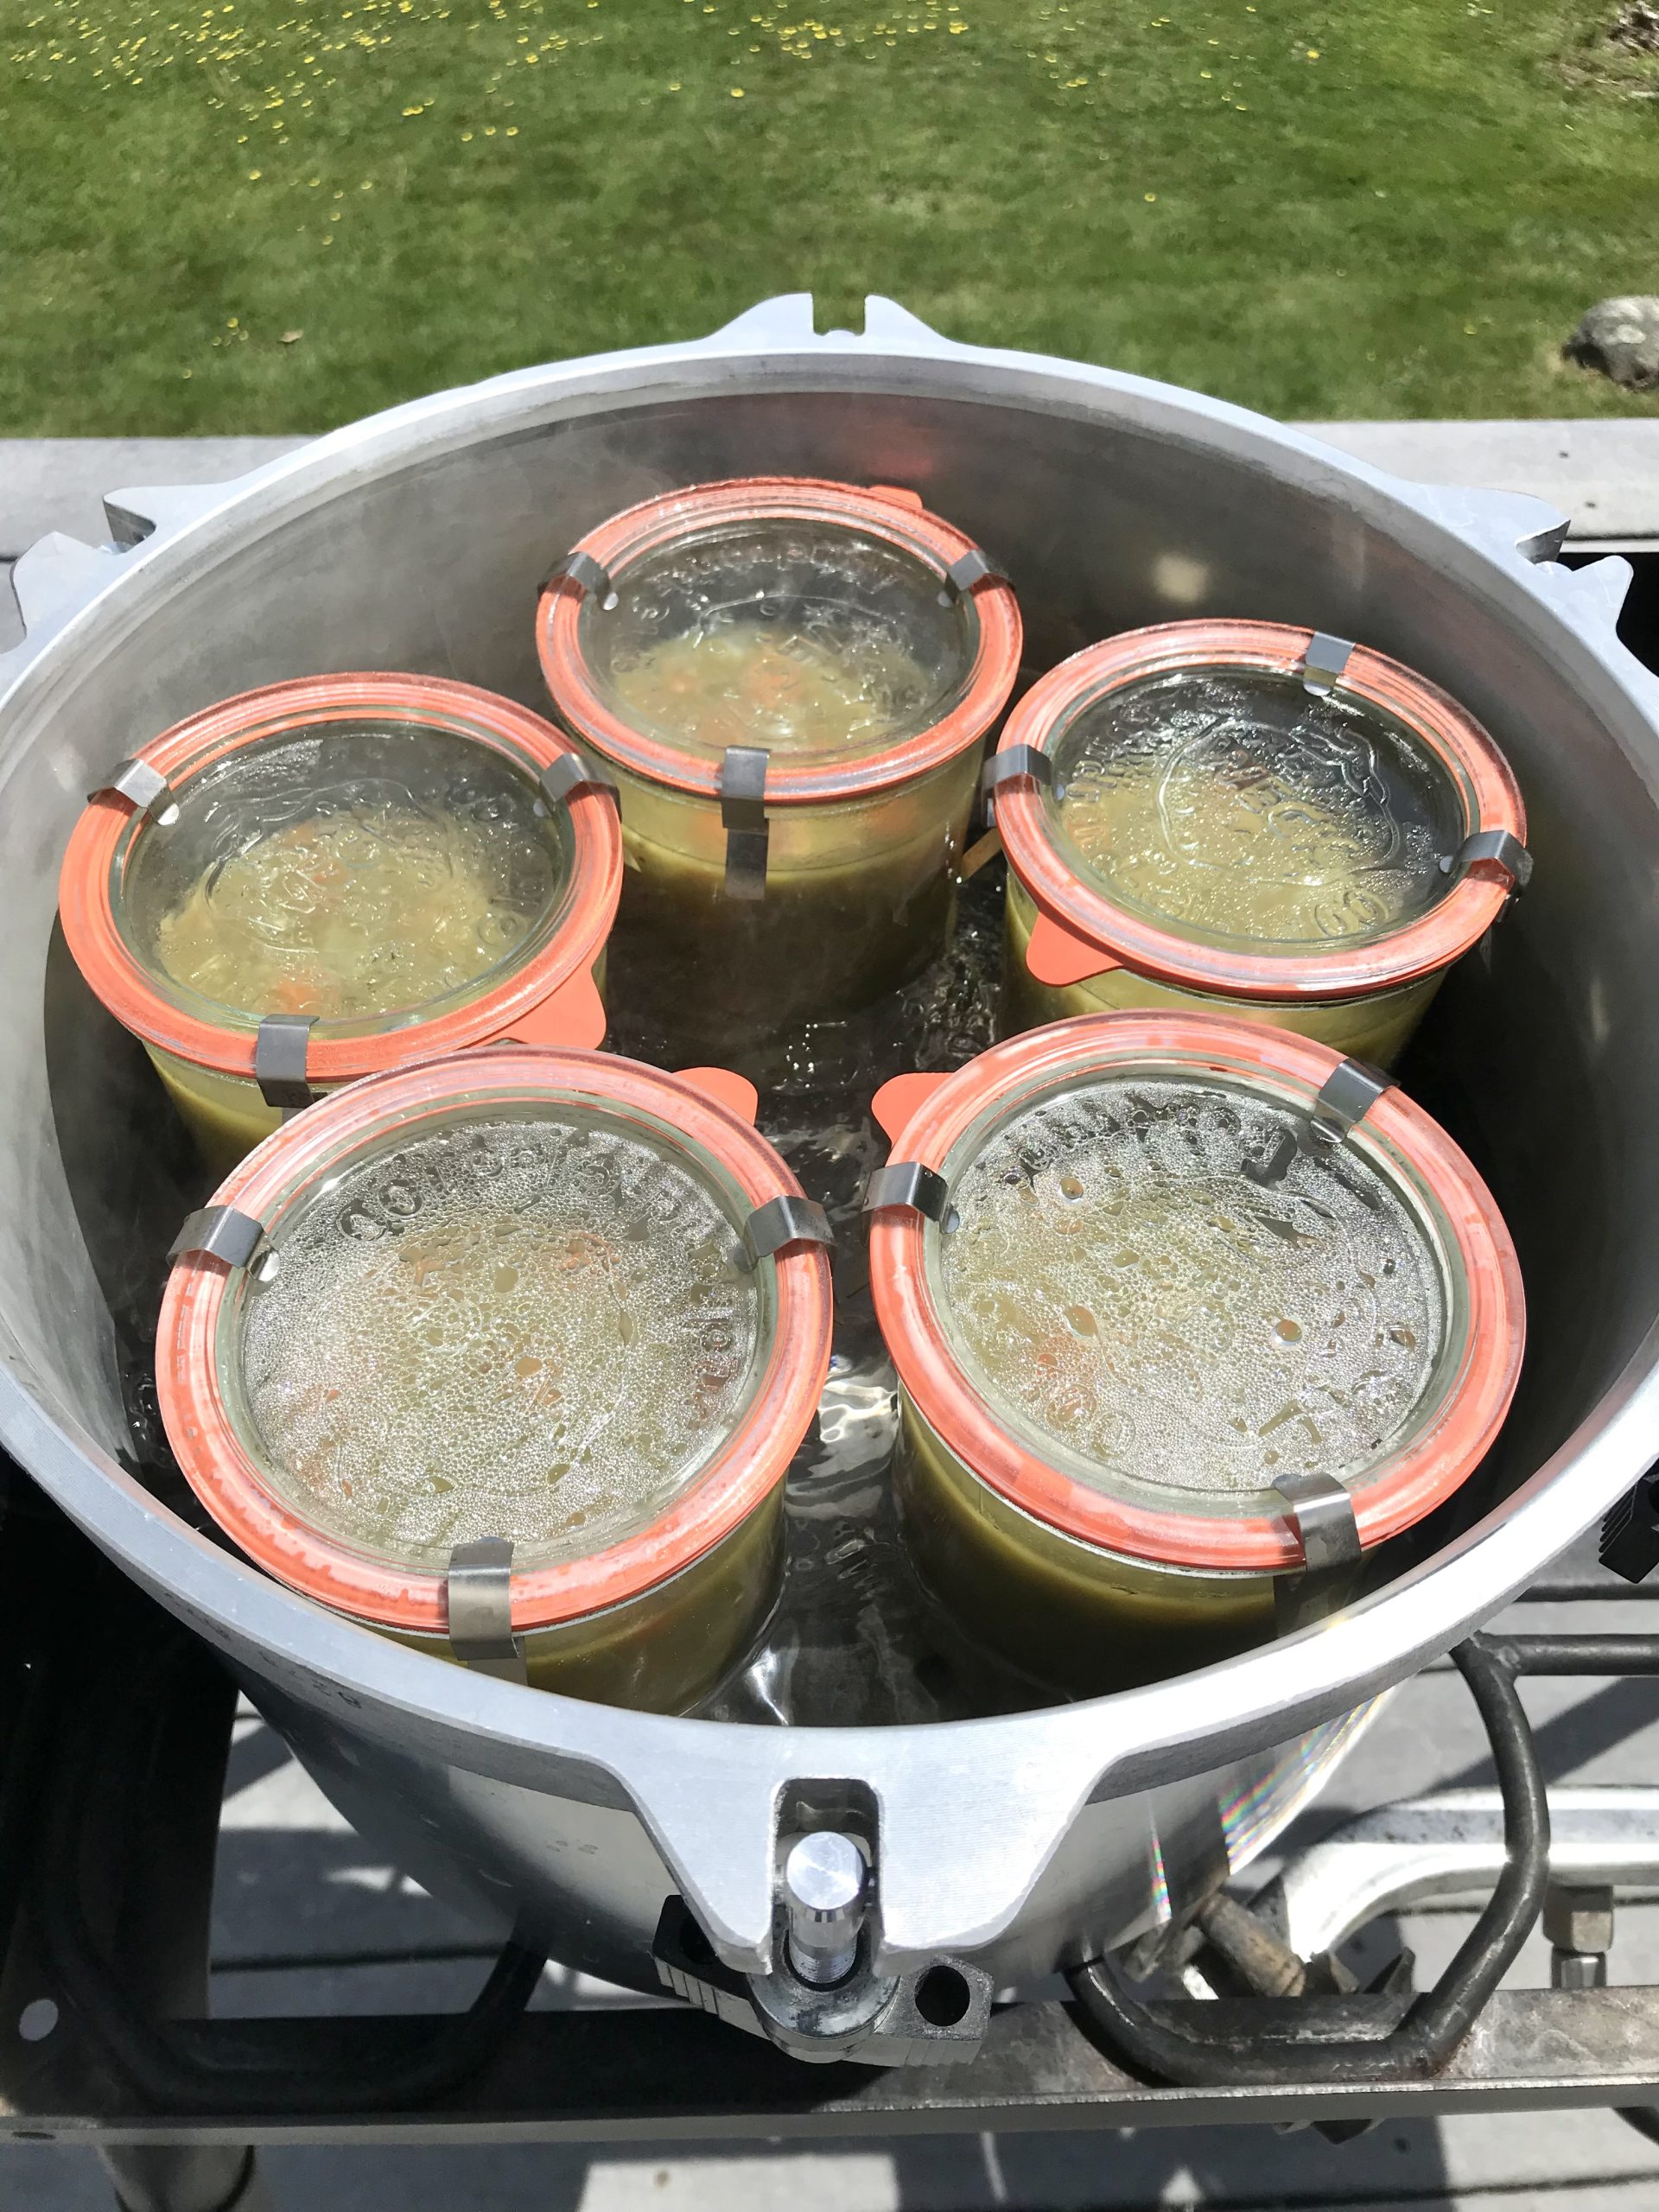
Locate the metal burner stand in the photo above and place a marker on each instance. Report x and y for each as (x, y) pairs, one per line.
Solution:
(115, 1729)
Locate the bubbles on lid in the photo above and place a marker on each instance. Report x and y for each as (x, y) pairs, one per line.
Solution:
(1146, 1275)
(1236, 804)
(368, 872)
(806, 639)
(535, 1329)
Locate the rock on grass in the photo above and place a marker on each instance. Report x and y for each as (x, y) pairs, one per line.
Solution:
(1620, 338)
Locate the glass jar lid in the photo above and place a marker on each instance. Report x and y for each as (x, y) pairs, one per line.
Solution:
(368, 854)
(509, 1294)
(1163, 1285)
(1211, 817)
(833, 628)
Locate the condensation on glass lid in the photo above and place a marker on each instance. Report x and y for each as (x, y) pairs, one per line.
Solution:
(536, 1329)
(1188, 1293)
(344, 872)
(1235, 805)
(801, 637)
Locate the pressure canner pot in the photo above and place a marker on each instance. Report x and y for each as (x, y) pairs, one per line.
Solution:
(416, 540)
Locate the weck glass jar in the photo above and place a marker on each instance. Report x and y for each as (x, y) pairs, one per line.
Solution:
(1251, 819)
(335, 875)
(1181, 1307)
(553, 1303)
(792, 682)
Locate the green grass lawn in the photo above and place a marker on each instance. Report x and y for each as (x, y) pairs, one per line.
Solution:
(263, 215)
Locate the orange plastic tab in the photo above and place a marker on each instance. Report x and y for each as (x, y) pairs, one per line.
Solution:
(573, 1016)
(898, 495)
(732, 1091)
(896, 1102)
(1057, 956)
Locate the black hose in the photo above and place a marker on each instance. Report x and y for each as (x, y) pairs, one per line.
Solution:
(1154, 2045)
(1578, 1655)
(194, 2067)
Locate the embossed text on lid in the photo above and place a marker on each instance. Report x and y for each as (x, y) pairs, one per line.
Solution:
(1121, 1289)
(537, 1326)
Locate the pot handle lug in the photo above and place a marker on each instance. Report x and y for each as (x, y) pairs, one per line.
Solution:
(56, 577)
(59, 577)
(720, 1845)
(787, 323)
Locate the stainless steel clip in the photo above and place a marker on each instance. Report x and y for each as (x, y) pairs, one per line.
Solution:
(967, 571)
(1347, 1095)
(1500, 845)
(281, 1051)
(1013, 762)
(907, 1183)
(787, 1220)
(1324, 663)
(582, 569)
(571, 772)
(221, 1233)
(1321, 1511)
(147, 788)
(480, 1590)
(742, 787)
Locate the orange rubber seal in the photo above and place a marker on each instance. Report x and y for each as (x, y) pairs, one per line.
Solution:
(895, 516)
(282, 1172)
(1390, 1495)
(1126, 940)
(88, 884)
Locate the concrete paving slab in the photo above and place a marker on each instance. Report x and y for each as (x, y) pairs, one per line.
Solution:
(1219, 2170)
(58, 483)
(1603, 476)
